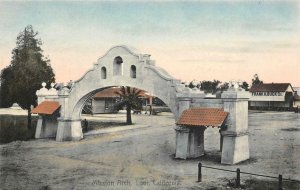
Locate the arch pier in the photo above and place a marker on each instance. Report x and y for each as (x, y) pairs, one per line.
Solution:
(60, 110)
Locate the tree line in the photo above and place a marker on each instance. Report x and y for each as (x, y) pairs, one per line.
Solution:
(215, 86)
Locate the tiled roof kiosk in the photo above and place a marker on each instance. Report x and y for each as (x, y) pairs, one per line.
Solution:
(191, 127)
(230, 114)
(48, 109)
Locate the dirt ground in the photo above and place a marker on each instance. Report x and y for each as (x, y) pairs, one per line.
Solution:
(141, 156)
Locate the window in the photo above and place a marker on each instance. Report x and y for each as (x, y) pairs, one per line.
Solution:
(118, 65)
(133, 71)
(103, 73)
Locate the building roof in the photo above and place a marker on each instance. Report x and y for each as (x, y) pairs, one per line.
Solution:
(270, 87)
(46, 107)
(214, 117)
(112, 93)
(108, 93)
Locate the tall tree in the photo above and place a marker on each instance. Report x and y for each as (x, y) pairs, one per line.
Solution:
(131, 99)
(256, 80)
(27, 70)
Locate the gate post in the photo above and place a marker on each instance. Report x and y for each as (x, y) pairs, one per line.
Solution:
(182, 132)
(68, 129)
(235, 138)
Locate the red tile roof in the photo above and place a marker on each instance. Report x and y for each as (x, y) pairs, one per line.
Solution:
(270, 87)
(202, 117)
(108, 93)
(112, 93)
(46, 107)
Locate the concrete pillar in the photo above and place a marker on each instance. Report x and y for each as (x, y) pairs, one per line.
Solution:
(182, 139)
(39, 126)
(184, 104)
(69, 130)
(182, 132)
(221, 141)
(189, 142)
(235, 137)
(46, 127)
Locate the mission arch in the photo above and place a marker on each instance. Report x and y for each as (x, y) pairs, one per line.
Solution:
(158, 83)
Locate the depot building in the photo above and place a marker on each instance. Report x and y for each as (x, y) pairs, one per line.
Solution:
(272, 96)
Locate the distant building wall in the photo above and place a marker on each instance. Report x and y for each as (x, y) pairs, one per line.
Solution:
(271, 96)
(271, 104)
(103, 105)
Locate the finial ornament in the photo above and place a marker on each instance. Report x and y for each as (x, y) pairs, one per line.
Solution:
(43, 84)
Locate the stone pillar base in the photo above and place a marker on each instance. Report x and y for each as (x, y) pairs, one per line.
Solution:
(69, 130)
(189, 142)
(235, 148)
(46, 127)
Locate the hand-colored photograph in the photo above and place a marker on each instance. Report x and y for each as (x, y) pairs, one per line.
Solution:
(162, 95)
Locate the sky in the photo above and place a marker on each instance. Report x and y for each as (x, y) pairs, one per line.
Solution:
(192, 40)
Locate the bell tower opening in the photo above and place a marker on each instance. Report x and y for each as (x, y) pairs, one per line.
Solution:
(118, 65)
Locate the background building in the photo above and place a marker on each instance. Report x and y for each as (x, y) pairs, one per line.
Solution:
(105, 100)
(272, 96)
(296, 97)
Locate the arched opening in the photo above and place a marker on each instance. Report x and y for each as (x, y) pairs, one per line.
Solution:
(103, 73)
(96, 107)
(133, 71)
(117, 66)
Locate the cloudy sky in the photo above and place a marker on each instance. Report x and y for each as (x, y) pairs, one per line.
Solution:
(201, 40)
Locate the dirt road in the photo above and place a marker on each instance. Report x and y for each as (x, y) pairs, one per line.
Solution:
(143, 157)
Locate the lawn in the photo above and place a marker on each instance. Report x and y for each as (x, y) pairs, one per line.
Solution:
(14, 127)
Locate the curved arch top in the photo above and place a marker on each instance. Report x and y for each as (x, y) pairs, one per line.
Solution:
(148, 77)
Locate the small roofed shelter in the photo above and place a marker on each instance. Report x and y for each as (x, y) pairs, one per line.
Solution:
(190, 130)
(48, 113)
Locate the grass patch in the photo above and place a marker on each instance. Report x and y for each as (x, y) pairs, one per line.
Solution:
(263, 184)
(14, 127)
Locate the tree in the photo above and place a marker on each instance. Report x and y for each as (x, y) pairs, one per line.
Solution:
(210, 86)
(223, 87)
(256, 80)
(28, 69)
(245, 86)
(131, 99)
(192, 85)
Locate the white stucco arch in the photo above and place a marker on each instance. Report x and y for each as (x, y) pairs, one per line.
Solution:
(148, 77)
(159, 83)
